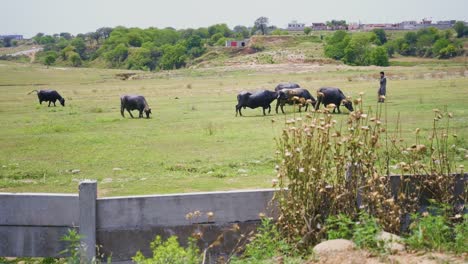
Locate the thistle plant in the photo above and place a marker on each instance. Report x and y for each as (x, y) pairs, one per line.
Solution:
(326, 168)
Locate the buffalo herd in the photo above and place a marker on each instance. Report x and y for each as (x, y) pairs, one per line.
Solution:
(292, 94)
(284, 93)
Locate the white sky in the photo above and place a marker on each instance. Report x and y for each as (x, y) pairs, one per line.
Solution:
(28, 17)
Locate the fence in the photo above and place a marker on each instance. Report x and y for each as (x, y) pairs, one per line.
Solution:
(31, 225)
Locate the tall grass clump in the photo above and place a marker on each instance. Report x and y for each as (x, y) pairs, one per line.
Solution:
(326, 168)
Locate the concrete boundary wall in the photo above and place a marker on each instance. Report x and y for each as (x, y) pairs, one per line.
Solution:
(31, 225)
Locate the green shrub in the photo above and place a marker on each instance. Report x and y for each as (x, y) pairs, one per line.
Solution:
(170, 251)
(340, 226)
(365, 234)
(460, 244)
(429, 232)
(379, 56)
(257, 47)
(266, 244)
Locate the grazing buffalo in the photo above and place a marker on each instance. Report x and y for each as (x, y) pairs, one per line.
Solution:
(134, 102)
(261, 98)
(50, 96)
(282, 86)
(330, 95)
(294, 96)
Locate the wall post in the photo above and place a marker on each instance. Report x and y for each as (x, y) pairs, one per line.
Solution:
(87, 202)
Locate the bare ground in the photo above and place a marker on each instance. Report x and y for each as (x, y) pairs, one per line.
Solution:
(361, 257)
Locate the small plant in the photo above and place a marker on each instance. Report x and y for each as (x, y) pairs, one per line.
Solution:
(170, 251)
(265, 244)
(435, 232)
(460, 244)
(365, 234)
(74, 247)
(340, 226)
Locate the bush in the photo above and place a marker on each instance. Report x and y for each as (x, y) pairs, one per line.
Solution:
(379, 56)
(266, 244)
(435, 231)
(336, 45)
(358, 50)
(50, 58)
(365, 234)
(258, 47)
(315, 152)
(170, 251)
(340, 226)
(75, 59)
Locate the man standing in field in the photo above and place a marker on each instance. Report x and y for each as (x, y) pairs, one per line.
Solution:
(383, 88)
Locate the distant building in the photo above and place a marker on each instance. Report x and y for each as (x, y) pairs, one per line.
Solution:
(318, 26)
(237, 43)
(369, 27)
(16, 37)
(294, 26)
(354, 26)
(408, 25)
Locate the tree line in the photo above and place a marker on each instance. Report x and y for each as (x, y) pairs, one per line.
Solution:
(374, 48)
(141, 49)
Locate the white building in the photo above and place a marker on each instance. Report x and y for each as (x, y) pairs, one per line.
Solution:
(295, 26)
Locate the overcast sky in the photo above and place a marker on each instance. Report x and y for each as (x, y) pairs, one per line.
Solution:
(28, 17)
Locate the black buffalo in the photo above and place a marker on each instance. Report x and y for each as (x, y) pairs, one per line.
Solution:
(50, 96)
(261, 98)
(134, 102)
(288, 85)
(330, 95)
(299, 96)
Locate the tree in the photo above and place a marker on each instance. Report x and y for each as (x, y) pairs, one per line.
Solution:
(448, 52)
(381, 36)
(80, 46)
(139, 59)
(134, 39)
(117, 55)
(307, 30)
(379, 56)
(66, 35)
(75, 59)
(50, 58)
(461, 29)
(7, 42)
(173, 56)
(336, 44)
(241, 32)
(261, 24)
(222, 29)
(357, 51)
(104, 32)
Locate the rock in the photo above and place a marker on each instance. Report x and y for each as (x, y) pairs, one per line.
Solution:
(242, 171)
(334, 245)
(392, 241)
(76, 171)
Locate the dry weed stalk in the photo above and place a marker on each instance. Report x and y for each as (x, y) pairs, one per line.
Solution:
(326, 168)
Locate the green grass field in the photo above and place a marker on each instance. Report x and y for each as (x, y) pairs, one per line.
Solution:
(193, 142)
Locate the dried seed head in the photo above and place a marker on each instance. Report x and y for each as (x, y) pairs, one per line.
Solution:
(189, 216)
(274, 182)
(210, 215)
(331, 106)
(450, 115)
